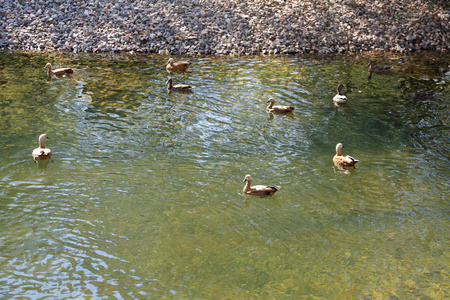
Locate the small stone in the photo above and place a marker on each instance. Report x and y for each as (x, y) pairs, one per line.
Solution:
(230, 27)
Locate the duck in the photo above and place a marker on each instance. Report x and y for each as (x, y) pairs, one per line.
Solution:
(57, 72)
(416, 94)
(177, 66)
(278, 108)
(340, 160)
(378, 69)
(42, 152)
(177, 87)
(340, 98)
(258, 190)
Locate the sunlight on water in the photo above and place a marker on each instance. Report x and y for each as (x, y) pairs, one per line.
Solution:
(144, 198)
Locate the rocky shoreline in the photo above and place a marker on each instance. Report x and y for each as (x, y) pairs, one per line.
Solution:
(229, 27)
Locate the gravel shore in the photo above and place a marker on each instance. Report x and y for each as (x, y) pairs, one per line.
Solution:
(194, 27)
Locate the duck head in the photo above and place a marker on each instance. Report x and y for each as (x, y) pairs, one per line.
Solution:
(247, 178)
(42, 139)
(271, 101)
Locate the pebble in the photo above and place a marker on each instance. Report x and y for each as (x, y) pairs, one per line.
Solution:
(231, 27)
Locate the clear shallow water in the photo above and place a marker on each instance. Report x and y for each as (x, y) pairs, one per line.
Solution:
(144, 197)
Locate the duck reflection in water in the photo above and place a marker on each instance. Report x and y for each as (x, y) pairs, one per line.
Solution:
(371, 68)
(178, 87)
(416, 94)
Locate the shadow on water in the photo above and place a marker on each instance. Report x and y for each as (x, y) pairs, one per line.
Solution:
(144, 198)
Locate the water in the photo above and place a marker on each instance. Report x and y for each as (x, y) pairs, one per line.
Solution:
(144, 198)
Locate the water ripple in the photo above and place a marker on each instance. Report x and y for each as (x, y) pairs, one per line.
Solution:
(144, 198)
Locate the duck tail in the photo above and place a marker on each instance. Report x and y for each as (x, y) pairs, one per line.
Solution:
(353, 159)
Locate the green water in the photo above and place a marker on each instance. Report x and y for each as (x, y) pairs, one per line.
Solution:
(144, 198)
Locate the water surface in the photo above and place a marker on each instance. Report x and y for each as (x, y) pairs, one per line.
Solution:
(144, 198)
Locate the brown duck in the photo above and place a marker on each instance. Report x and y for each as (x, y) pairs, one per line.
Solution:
(42, 152)
(177, 66)
(278, 108)
(342, 161)
(340, 98)
(258, 190)
(57, 72)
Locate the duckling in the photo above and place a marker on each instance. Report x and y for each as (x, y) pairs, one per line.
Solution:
(340, 98)
(258, 190)
(378, 69)
(416, 94)
(42, 152)
(278, 108)
(177, 87)
(57, 72)
(177, 66)
(340, 160)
